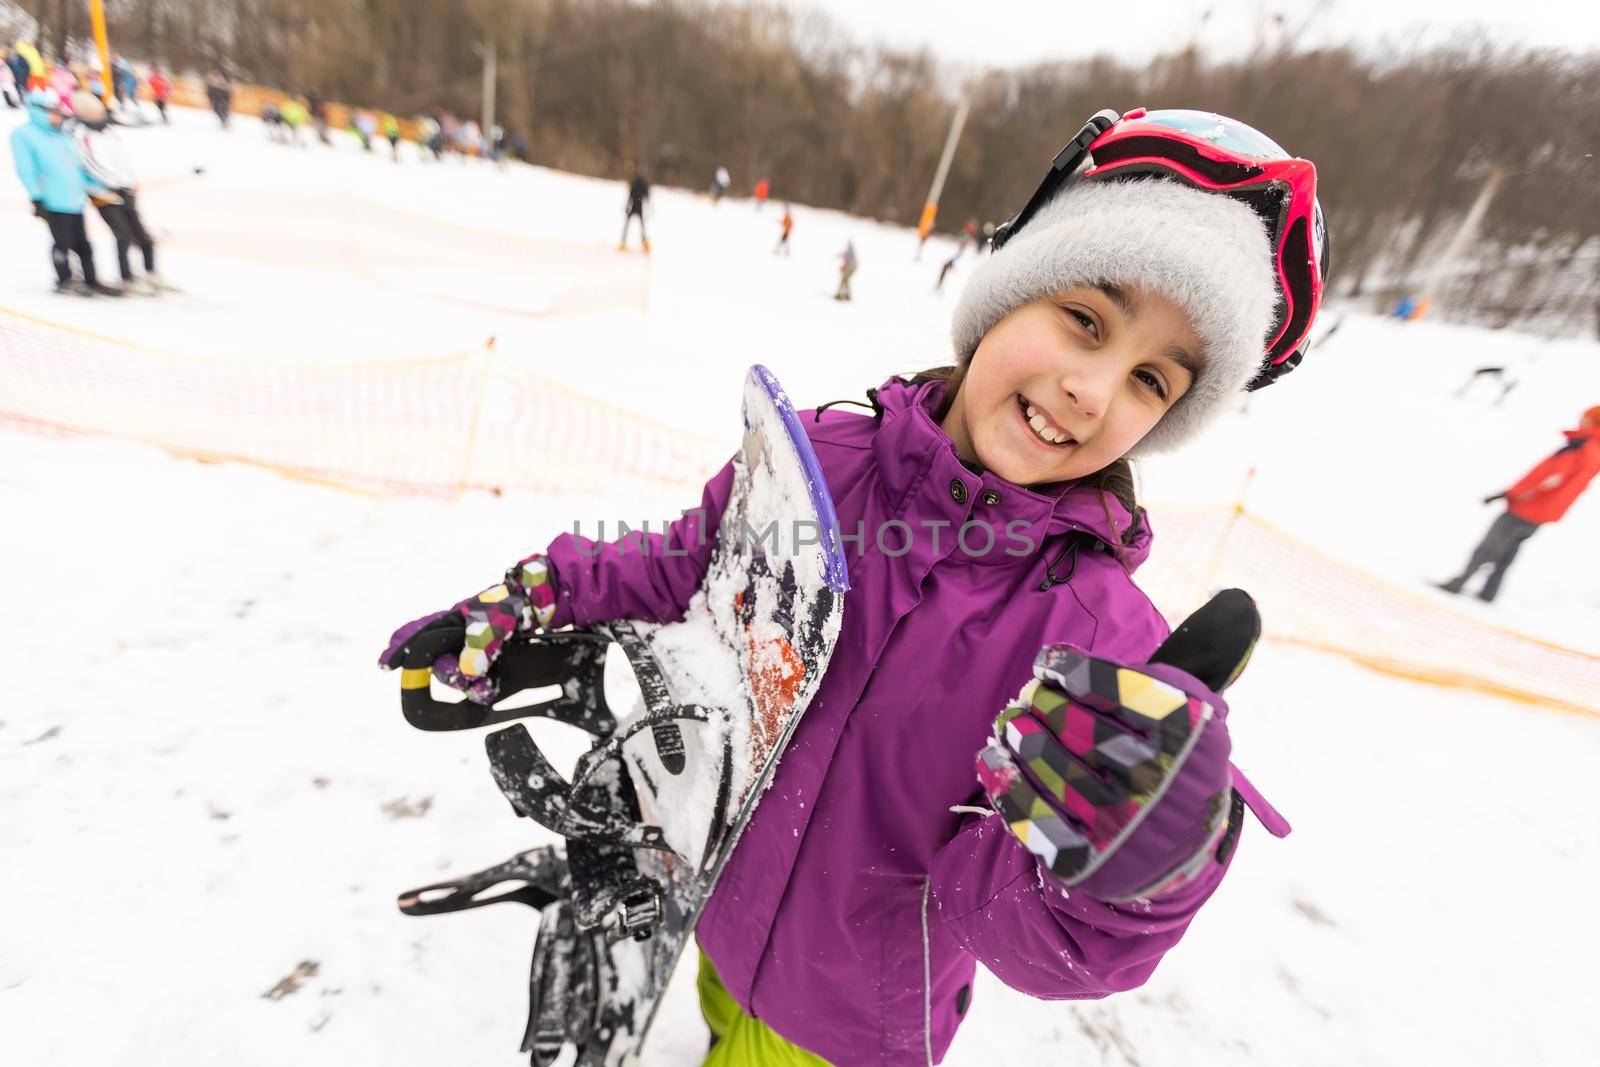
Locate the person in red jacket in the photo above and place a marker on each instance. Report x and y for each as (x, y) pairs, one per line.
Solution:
(785, 228)
(161, 90)
(1543, 495)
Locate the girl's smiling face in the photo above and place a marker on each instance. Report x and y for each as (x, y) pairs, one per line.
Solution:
(1067, 384)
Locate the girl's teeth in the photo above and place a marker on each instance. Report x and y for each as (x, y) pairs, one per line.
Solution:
(1040, 426)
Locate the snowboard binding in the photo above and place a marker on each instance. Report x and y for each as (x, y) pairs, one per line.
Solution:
(591, 893)
(656, 804)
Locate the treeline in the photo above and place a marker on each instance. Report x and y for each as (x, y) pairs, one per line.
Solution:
(1403, 145)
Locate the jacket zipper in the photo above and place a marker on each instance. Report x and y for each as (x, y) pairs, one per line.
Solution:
(927, 980)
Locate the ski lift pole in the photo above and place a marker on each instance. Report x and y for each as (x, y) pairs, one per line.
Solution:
(490, 77)
(930, 209)
(1208, 584)
(1433, 287)
(97, 18)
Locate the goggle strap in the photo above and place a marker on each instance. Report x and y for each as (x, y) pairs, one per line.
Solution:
(1273, 371)
(1066, 163)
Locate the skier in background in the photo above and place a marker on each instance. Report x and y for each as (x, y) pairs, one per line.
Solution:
(63, 82)
(292, 113)
(785, 227)
(56, 181)
(391, 133)
(638, 196)
(1411, 309)
(1497, 378)
(317, 108)
(430, 136)
(219, 94)
(1541, 496)
(365, 123)
(946, 268)
(91, 78)
(160, 91)
(17, 65)
(969, 234)
(272, 119)
(449, 130)
(847, 270)
(8, 81)
(719, 185)
(763, 190)
(105, 159)
(125, 83)
(469, 139)
(1120, 318)
(28, 65)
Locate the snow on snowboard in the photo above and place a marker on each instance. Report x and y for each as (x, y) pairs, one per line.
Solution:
(656, 806)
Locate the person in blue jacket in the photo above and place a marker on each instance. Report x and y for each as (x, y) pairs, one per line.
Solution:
(47, 162)
(20, 69)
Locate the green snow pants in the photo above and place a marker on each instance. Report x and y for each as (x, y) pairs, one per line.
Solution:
(741, 1041)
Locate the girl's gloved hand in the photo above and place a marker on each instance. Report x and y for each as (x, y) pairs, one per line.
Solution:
(1117, 776)
(462, 643)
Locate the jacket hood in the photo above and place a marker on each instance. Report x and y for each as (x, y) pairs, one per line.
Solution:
(38, 113)
(909, 430)
(1582, 437)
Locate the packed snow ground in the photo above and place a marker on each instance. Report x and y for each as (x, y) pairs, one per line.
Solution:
(205, 782)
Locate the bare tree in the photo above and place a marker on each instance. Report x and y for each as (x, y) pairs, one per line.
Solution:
(1402, 143)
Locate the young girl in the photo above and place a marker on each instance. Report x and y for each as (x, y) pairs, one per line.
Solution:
(105, 156)
(1168, 261)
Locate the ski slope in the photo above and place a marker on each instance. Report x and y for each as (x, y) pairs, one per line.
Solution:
(204, 782)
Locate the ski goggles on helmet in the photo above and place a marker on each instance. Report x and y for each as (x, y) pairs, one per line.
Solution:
(1217, 154)
(49, 101)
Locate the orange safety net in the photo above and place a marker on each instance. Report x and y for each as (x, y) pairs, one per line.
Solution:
(475, 420)
(470, 420)
(248, 99)
(1310, 598)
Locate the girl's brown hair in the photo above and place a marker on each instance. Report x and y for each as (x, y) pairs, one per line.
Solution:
(1115, 480)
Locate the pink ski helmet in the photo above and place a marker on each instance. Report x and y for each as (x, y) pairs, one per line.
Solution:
(1210, 152)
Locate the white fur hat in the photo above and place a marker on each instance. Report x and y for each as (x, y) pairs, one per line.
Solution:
(1206, 252)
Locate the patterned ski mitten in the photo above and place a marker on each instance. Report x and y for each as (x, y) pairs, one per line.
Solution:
(1117, 776)
(461, 643)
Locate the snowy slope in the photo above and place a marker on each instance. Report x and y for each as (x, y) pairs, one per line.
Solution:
(204, 782)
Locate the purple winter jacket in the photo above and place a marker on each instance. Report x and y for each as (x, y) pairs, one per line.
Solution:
(853, 913)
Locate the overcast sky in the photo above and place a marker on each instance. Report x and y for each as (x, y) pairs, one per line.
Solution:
(1006, 32)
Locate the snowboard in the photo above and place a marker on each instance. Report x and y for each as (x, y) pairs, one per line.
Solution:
(656, 805)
